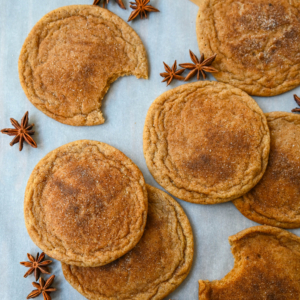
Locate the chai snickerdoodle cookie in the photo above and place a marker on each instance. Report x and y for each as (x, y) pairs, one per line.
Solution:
(150, 271)
(275, 200)
(86, 204)
(206, 142)
(267, 263)
(255, 42)
(72, 56)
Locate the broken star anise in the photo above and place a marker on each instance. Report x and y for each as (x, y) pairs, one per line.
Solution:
(172, 73)
(141, 7)
(297, 99)
(120, 3)
(36, 265)
(22, 132)
(199, 66)
(42, 288)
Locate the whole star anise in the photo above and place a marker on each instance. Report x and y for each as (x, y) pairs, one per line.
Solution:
(141, 7)
(297, 99)
(42, 288)
(36, 265)
(22, 132)
(120, 3)
(172, 73)
(199, 66)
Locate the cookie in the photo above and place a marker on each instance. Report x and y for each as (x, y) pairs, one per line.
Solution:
(267, 262)
(255, 42)
(275, 199)
(154, 268)
(72, 56)
(206, 142)
(86, 204)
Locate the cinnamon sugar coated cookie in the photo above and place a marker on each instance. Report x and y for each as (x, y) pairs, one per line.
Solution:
(206, 142)
(72, 56)
(86, 204)
(275, 199)
(150, 271)
(257, 43)
(267, 263)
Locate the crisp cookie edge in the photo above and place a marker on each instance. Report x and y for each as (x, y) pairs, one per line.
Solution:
(284, 237)
(171, 284)
(242, 204)
(143, 68)
(254, 90)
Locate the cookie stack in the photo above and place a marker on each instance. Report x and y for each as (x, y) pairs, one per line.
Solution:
(87, 205)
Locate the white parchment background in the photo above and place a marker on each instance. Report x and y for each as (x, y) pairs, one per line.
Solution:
(167, 36)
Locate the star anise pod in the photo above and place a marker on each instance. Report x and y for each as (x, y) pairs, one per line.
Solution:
(172, 73)
(297, 99)
(36, 265)
(22, 132)
(199, 66)
(141, 7)
(120, 3)
(42, 288)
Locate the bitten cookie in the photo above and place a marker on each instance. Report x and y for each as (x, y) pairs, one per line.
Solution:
(86, 204)
(275, 200)
(72, 56)
(256, 43)
(150, 271)
(267, 263)
(206, 142)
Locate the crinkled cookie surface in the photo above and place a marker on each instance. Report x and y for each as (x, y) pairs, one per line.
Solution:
(275, 199)
(257, 43)
(150, 271)
(206, 142)
(86, 204)
(72, 56)
(267, 262)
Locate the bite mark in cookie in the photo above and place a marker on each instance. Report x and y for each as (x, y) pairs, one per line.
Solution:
(72, 56)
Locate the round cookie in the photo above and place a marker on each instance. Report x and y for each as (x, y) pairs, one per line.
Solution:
(266, 267)
(154, 268)
(255, 42)
(86, 204)
(275, 200)
(72, 56)
(206, 142)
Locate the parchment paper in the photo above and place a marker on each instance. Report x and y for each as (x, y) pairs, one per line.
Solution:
(167, 36)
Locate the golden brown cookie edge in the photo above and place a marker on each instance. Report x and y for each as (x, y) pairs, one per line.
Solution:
(242, 203)
(172, 284)
(146, 143)
(32, 35)
(208, 52)
(280, 234)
